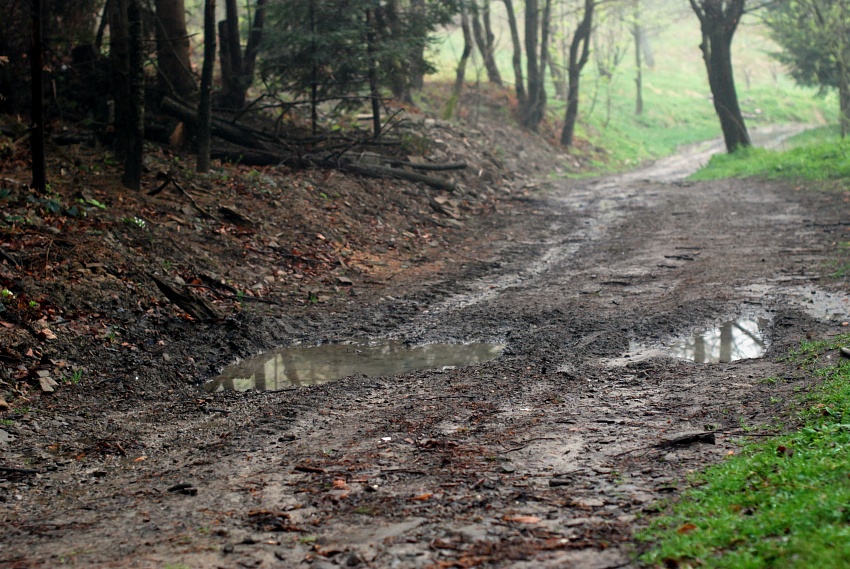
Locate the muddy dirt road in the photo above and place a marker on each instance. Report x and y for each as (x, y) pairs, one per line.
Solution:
(548, 456)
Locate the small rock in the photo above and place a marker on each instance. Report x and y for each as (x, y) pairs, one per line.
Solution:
(344, 281)
(589, 503)
(5, 437)
(47, 383)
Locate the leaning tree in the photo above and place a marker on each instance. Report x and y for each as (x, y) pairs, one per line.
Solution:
(718, 21)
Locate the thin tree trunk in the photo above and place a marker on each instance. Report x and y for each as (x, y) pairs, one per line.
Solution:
(490, 37)
(136, 105)
(374, 92)
(581, 42)
(205, 104)
(417, 58)
(39, 176)
(460, 73)
(535, 80)
(519, 81)
(255, 38)
(485, 47)
(637, 33)
(120, 69)
(314, 74)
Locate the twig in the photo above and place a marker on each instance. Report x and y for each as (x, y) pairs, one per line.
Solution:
(192, 199)
(13, 470)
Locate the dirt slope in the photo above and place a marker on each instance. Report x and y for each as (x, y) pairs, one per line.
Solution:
(549, 456)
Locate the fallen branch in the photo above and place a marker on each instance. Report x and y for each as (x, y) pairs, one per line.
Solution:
(429, 167)
(193, 305)
(382, 172)
(13, 470)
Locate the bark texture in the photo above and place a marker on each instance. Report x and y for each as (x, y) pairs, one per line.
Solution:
(718, 21)
(579, 53)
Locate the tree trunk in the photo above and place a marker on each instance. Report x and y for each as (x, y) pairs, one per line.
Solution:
(637, 33)
(491, 38)
(519, 81)
(205, 104)
(374, 90)
(843, 99)
(237, 71)
(484, 41)
(136, 104)
(718, 24)
(120, 67)
(528, 113)
(172, 49)
(417, 57)
(39, 176)
(460, 73)
(581, 42)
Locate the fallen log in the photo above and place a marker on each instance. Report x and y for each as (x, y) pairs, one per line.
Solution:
(228, 131)
(382, 172)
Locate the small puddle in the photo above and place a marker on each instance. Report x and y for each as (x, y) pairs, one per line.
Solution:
(734, 340)
(313, 365)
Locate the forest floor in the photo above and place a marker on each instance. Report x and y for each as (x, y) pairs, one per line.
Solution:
(550, 455)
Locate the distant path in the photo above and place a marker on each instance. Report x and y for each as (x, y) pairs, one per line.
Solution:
(692, 157)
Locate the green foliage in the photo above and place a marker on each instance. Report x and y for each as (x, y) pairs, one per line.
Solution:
(817, 161)
(812, 35)
(332, 45)
(783, 502)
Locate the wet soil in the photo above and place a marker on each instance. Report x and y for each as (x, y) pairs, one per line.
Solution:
(551, 455)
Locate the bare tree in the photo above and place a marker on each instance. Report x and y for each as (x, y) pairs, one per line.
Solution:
(485, 40)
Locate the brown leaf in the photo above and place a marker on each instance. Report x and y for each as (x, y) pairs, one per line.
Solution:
(522, 519)
(686, 528)
(423, 497)
(46, 334)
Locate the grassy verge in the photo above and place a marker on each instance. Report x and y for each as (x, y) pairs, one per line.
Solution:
(820, 156)
(782, 502)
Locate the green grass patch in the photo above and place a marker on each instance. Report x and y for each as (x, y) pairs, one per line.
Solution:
(820, 160)
(782, 502)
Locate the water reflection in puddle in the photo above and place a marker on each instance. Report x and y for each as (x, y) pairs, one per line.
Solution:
(319, 364)
(733, 340)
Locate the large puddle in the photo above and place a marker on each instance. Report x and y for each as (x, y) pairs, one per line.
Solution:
(313, 365)
(738, 339)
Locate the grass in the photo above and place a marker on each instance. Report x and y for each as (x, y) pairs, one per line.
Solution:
(677, 102)
(783, 502)
(821, 155)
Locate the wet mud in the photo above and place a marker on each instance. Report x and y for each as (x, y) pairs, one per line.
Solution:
(549, 455)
